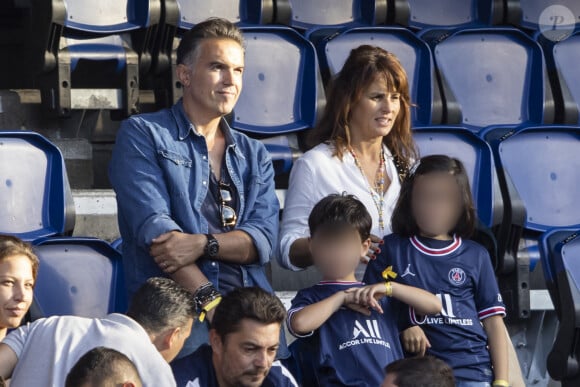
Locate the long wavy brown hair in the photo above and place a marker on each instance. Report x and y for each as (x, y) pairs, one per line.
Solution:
(363, 66)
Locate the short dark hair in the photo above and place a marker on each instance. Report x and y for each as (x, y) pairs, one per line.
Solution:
(423, 371)
(404, 223)
(99, 365)
(337, 212)
(212, 28)
(252, 303)
(161, 303)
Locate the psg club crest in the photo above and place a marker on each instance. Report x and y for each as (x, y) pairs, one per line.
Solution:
(456, 276)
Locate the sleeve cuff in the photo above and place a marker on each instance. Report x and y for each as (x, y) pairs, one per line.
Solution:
(289, 325)
(493, 311)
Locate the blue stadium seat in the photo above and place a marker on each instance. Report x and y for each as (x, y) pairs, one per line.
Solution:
(562, 58)
(544, 15)
(281, 84)
(492, 77)
(78, 276)
(414, 54)
(86, 54)
(537, 172)
(420, 14)
(34, 188)
(564, 261)
(307, 14)
(241, 12)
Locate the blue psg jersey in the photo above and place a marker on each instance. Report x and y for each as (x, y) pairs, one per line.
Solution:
(351, 349)
(459, 272)
(197, 370)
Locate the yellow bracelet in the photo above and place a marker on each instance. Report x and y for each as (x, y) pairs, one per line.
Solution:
(209, 307)
(500, 383)
(388, 289)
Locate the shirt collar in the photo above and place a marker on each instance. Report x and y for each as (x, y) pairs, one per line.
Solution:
(185, 127)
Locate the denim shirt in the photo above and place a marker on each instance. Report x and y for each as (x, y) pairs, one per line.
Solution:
(160, 173)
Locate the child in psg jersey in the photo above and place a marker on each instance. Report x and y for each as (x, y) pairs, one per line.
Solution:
(429, 249)
(353, 327)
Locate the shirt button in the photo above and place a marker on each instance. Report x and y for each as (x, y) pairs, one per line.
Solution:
(213, 263)
(204, 157)
(204, 182)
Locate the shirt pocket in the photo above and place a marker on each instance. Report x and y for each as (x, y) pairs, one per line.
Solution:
(175, 158)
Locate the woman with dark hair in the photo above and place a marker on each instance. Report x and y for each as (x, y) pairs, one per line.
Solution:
(18, 270)
(362, 146)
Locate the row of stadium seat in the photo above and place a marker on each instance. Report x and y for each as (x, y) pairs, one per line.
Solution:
(99, 55)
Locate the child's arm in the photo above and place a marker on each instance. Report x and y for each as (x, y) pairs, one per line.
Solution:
(421, 300)
(497, 341)
(312, 316)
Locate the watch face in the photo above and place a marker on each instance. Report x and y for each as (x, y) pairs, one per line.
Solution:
(212, 249)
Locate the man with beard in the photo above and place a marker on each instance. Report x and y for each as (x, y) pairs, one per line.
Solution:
(244, 339)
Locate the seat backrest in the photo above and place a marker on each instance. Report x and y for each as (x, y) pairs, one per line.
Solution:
(281, 84)
(109, 16)
(543, 163)
(34, 188)
(496, 76)
(337, 13)
(566, 55)
(452, 13)
(476, 156)
(80, 277)
(547, 14)
(192, 12)
(562, 362)
(413, 53)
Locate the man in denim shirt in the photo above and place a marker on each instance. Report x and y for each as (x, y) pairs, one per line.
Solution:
(196, 199)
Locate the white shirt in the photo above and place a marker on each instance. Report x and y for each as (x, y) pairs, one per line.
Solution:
(318, 174)
(48, 348)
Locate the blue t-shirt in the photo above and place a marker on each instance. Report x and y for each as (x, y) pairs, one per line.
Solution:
(459, 272)
(197, 370)
(350, 349)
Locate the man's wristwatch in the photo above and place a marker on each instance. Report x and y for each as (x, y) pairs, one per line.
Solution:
(212, 247)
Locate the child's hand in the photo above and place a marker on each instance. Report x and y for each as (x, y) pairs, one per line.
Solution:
(415, 341)
(366, 296)
(374, 249)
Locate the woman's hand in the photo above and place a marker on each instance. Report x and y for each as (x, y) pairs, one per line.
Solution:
(374, 249)
(415, 341)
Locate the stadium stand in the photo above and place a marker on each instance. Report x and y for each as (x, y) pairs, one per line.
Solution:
(35, 192)
(78, 276)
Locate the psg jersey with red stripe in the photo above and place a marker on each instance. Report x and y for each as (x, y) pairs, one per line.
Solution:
(460, 273)
(349, 349)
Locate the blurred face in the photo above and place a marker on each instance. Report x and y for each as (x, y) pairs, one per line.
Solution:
(437, 204)
(244, 358)
(16, 289)
(337, 256)
(375, 113)
(213, 81)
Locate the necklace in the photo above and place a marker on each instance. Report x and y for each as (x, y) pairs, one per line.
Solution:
(377, 189)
